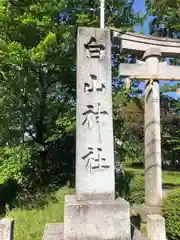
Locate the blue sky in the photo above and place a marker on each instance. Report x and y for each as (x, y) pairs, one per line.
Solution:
(139, 6)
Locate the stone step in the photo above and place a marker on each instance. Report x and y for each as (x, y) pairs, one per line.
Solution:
(54, 231)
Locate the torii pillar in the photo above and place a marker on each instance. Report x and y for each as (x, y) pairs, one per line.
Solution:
(152, 139)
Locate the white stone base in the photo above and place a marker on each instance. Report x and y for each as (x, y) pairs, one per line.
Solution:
(90, 220)
(6, 229)
(156, 227)
(143, 210)
(54, 231)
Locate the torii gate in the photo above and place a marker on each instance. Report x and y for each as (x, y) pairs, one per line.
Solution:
(150, 49)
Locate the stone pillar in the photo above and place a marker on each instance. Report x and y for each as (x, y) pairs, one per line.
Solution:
(156, 227)
(94, 130)
(6, 229)
(153, 172)
(94, 213)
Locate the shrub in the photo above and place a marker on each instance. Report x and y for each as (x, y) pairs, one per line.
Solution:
(171, 213)
(30, 172)
(122, 184)
(12, 160)
(136, 190)
(130, 187)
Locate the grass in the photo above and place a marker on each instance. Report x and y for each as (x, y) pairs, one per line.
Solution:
(171, 180)
(169, 177)
(30, 224)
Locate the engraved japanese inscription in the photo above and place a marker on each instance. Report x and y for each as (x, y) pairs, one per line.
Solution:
(94, 86)
(92, 115)
(94, 122)
(155, 99)
(93, 49)
(94, 160)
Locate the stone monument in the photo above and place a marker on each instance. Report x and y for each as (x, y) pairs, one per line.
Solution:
(93, 213)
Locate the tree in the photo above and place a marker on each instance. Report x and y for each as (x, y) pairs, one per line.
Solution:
(38, 83)
(166, 24)
(38, 48)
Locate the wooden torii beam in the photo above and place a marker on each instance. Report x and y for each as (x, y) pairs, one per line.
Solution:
(150, 49)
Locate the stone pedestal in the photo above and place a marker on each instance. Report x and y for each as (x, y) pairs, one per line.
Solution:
(92, 219)
(156, 227)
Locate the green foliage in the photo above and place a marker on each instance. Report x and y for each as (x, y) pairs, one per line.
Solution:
(30, 224)
(166, 13)
(122, 184)
(170, 131)
(171, 213)
(38, 53)
(128, 122)
(47, 170)
(38, 59)
(27, 174)
(12, 161)
(38, 86)
(136, 190)
(170, 178)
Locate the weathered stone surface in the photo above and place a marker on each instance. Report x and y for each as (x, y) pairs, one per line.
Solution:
(136, 234)
(54, 231)
(144, 210)
(6, 229)
(140, 71)
(138, 43)
(94, 130)
(156, 227)
(103, 219)
(153, 172)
